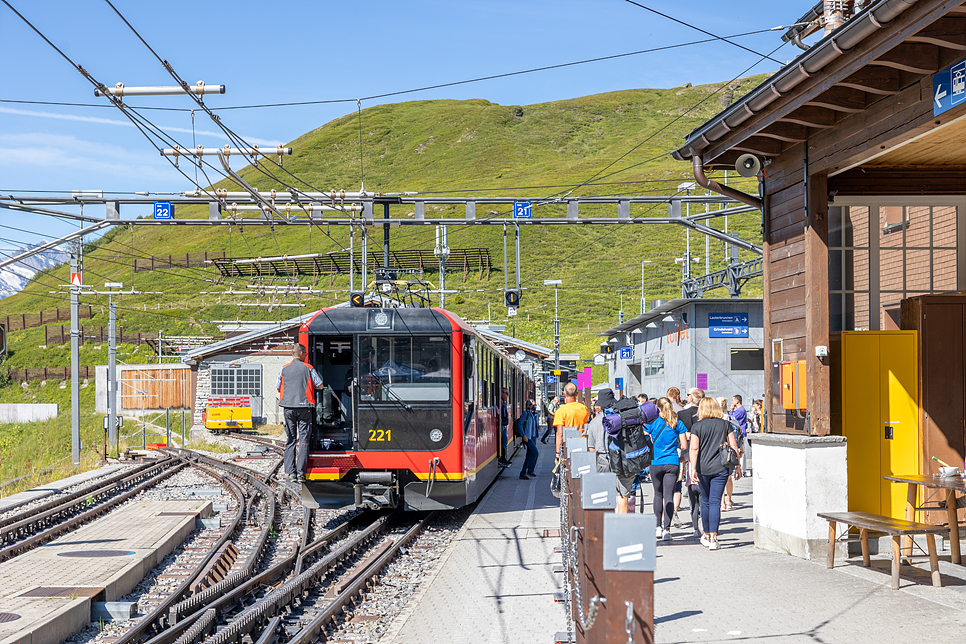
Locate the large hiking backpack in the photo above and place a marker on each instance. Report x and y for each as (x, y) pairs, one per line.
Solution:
(629, 448)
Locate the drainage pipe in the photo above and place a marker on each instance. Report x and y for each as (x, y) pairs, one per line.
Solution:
(714, 186)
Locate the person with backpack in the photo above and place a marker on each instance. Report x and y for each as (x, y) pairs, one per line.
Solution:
(726, 500)
(667, 432)
(689, 416)
(629, 447)
(713, 455)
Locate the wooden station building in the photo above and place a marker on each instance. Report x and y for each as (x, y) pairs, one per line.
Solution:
(862, 145)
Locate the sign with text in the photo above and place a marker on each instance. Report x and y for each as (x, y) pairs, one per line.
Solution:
(627, 353)
(948, 88)
(163, 210)
(521, 209)
(727, 325)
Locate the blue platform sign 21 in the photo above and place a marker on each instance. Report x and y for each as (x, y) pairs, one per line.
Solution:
(163, 210)
(948, 88)
(627, 353)
(521, 209)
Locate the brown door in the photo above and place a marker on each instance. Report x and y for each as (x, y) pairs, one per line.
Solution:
(943, 353)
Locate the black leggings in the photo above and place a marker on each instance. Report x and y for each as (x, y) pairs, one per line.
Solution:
(694, 498)
(663, 477)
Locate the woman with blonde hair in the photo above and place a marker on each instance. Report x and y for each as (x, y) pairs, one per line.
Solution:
(667, 432)
(709, 434)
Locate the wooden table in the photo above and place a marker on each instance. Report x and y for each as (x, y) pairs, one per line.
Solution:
(952, 484)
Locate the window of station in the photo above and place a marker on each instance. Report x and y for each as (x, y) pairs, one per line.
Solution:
(747, 359)
(654, 365)
(406, 369)
(236, 381)
(882, 253)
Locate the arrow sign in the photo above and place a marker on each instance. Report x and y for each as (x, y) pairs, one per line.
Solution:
(75, 279)
(949, 87)
(939, 95)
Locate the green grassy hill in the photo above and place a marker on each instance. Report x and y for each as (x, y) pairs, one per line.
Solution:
(438, 147)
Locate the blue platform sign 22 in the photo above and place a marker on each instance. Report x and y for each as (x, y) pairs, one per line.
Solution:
(627, 353)
(163, 210)
(521, 209)
(948, 88)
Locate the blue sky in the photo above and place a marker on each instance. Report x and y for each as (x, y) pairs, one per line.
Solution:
(293, 50)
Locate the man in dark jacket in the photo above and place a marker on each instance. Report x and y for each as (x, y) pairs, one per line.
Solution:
(296, 386)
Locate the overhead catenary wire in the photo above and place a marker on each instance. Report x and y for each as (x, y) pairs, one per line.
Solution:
(704, 31)
(140, 122)
(415, 89)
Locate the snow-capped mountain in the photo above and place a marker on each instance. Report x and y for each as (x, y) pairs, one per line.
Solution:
(13, 278)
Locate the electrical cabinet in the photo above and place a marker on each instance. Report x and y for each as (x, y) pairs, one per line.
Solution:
(793, 391)
(880, 416)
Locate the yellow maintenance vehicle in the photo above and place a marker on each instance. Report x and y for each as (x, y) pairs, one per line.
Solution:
(228, 413)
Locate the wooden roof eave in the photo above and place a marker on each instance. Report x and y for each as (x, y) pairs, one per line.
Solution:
(839, 58)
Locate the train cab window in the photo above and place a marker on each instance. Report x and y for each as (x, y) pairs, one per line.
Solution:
(469, 373)
(405, 369)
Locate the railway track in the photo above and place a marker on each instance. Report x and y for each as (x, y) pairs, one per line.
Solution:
(234, 554)
(40, 524)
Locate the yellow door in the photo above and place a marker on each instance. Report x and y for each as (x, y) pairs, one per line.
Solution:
(899, 410)
(860, 419)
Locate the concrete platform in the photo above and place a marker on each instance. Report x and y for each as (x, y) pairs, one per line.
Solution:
(55, 487)
(50, 588)
(495, 581)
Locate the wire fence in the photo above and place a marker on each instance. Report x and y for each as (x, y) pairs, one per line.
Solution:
(188, 260)
(49, 373)
(58, 335)
(33, 320)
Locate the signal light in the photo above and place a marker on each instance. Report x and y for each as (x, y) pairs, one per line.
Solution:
(512, 297)
(357, 300)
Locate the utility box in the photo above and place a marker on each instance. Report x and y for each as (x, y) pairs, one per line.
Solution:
(793, 390)
(879, 380)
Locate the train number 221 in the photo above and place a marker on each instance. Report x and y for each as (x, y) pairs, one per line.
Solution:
(380, 435)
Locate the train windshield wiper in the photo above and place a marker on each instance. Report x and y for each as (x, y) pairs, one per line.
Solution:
(390, 392)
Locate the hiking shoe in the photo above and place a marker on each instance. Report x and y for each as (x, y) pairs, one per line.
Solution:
(705, 541)
(300, 478)
(666, 536)
(713, 545)
(292, 477)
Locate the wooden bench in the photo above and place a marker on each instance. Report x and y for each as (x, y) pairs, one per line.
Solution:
(896, 528)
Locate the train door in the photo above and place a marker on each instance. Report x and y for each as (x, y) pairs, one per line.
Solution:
(333, 360)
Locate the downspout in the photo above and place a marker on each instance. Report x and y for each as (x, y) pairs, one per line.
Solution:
(714, 186)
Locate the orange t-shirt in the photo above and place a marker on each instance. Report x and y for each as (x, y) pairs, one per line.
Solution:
(572, 414)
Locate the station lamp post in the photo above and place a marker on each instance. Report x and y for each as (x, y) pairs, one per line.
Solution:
(643, 295)
(556, 334)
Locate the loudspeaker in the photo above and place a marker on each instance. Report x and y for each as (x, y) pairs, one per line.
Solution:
(748, 165)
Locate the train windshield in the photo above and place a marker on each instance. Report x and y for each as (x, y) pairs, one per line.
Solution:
(404, 369)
